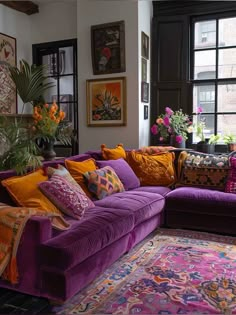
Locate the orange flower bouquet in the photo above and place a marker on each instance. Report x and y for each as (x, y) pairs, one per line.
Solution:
(46, 120)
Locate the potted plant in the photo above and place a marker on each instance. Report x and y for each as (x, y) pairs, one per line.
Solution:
(230, 140)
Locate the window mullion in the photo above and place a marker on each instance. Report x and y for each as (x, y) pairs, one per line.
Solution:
(216, 81)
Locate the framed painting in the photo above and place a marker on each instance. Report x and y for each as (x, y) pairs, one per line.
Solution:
(145, 92)
(8, 97)
(106, 102)
(108, 47)
(145, 45)
(144, 70)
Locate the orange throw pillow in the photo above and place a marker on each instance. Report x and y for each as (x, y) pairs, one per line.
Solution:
(153, 170)
(113, 154)
(77, 169)
(24, 190)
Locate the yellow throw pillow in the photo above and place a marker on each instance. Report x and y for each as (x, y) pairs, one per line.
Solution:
(113, 154)
(77, 169)
(24, 190)
(153, 170)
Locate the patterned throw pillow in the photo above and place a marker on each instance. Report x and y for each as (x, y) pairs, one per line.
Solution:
(61, 171)
(230, 186)
(103, 182)
(153, 170)
(203, 170)
(70, 199)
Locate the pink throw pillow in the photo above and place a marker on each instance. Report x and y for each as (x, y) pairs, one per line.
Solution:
(70, 199)
(231, 182)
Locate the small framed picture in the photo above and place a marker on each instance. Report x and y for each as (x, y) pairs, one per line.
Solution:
(145, 112)
(145, 92)
(145, 46)
(144, 70)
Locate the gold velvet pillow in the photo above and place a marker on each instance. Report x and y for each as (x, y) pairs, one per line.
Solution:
(113, 154)
(24, 190)
(77, 169)
(153, 170)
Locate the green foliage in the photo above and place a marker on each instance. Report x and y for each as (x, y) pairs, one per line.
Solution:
(21, 149)
(214, 139)
(230, 138)
(30, 81)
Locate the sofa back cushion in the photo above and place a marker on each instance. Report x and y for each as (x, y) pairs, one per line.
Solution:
(103, 182)
(153, 170)
(202, 170)
(123, 171)
(66, 196)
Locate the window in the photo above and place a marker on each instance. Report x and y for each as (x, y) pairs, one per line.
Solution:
(213, 73)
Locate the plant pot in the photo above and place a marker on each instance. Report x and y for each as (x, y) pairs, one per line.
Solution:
(175, 144)
(205, 147)
(231, 147)
(47, 151)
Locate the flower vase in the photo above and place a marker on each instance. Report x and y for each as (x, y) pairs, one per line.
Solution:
(47, 151)
(176, 144)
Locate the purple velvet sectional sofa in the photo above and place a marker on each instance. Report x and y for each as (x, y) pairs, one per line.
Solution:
(56, 264)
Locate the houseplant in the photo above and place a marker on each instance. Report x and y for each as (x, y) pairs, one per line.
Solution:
(20, 139)
(173, 126)
(230, 140)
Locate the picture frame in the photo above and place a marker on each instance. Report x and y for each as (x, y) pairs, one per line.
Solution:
(145, 45)
(144, 70)
(145, 92)
(108, 47)
(65, 103)
(8, 95)
(145, 112)
(106, 102)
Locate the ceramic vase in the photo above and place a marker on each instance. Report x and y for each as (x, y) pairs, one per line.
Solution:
(175, 144)
(47, 151)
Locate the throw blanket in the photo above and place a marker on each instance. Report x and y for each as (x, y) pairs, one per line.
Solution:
(12, 223)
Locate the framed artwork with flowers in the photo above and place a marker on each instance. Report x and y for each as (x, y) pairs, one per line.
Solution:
(106, 102)
(108, 47)
(8, 97)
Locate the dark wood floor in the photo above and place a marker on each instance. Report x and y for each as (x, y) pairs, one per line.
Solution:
(16, 303)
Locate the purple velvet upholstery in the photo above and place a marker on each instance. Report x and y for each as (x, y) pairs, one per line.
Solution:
(124, 172)
(73, 258)
(161, 190)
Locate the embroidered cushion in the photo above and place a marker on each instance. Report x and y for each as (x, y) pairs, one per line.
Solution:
(77, 169)
(230, 186)
(153, 170)
(156, 149)
(123, 171)
(203, 170)
(103, 182)
(24, 190)
(113, 154)
(70, 199)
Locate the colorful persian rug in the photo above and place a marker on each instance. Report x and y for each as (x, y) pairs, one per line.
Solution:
(170, 272)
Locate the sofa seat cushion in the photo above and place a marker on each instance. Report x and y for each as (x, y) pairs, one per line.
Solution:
(202, 201)
(161, 190)
(141, 205)
(97, 229)
(110, 219)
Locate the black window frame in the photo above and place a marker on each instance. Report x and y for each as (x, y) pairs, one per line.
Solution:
(216, 81)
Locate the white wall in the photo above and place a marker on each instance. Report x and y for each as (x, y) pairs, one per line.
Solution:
(18, 25)
(55, 21)
(95, 12)
(145, 13)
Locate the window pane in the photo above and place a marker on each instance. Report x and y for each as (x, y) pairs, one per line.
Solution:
(227, 98)
(227, 63)
(66, 60)
(205, 34)
(204, 96)
(205, 65)
(227, 32)
(209, 126)
(226, 124)
(50, 95)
